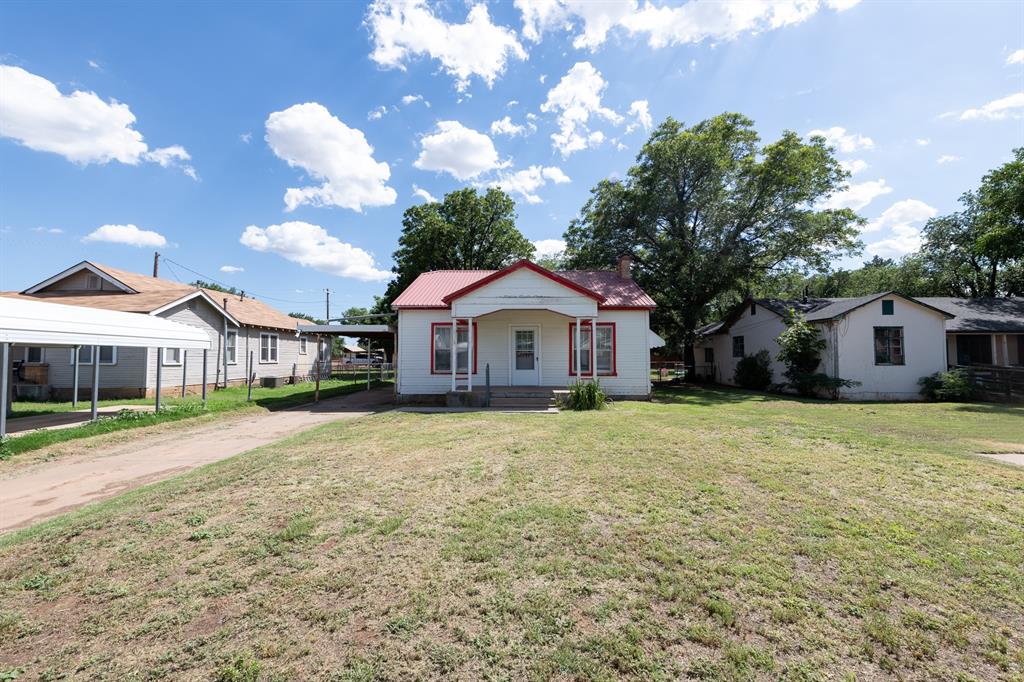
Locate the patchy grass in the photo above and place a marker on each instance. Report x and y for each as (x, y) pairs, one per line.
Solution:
(715, 535)
(232, 399)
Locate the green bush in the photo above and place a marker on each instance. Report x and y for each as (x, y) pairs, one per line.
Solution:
(586, 395)
(754, 371)
(952, 385)
(800, 347)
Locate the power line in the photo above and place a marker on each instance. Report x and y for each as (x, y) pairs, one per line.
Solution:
(228, 286)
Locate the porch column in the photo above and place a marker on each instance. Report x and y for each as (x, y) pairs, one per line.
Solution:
(74, 382)
(5, 359)
(159, 368)
(455, 355)
(184, 370)
(1006, 350)
(95, 381)
(469, 353)
(995, 350)
(579, 367)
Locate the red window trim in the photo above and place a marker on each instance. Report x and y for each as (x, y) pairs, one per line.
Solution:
(476, 347)
(593, 353)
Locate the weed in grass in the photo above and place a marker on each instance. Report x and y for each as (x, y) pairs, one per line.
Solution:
(298, 528)
(11, 674)
(195, 520)
(40, 582)
(240, 669)
(721, 610)
(390, 525)
(200, 534)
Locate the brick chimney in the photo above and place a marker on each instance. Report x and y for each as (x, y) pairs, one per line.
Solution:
(625, 266)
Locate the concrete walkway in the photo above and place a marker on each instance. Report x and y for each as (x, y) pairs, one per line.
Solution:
(1007, 457)
(53, 488)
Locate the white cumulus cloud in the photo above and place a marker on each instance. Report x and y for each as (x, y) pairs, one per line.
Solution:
(664, 25)
(418, 191)
(842, 140)
(126, 234)
(81, 127)
(1015, 57)
(1004, 107)
(857, 196)
(854, 166)
(548, 247)
(505, 126)
(902, 220)
(231, 269)
(641, 114)
(410, 99)
(576, 98)
(457, 150)
(526, 182)
(313, 247)
(377, 113)
(307, 136)
(404, 29)
(946, 158)
(923, 141)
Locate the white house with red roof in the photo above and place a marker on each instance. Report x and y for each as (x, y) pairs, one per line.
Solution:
(531, 327)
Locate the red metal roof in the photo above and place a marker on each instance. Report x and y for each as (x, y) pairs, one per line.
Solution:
(430, 289)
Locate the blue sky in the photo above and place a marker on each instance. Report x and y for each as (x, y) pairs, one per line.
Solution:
(287, 139)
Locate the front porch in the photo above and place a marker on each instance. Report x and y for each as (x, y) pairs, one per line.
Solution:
(524, 397)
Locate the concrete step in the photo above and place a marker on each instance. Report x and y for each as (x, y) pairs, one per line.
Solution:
(522, 401)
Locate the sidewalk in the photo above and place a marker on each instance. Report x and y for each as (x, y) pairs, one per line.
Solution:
(53, 488)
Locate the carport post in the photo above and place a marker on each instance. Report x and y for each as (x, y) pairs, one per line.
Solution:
(74, 384)
(248, 377)
(95, 381)
(205, 356)
(319, 368)
(159, 372)
(184, 369)
(369, 362)
(5, 358)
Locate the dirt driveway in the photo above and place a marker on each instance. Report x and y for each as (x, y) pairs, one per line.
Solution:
(49, 489)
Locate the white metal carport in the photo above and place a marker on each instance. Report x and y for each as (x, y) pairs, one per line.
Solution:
(40, 323)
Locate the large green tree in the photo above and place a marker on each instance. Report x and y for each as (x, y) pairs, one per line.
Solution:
(467, 230)
(710, 209)
(979, 250)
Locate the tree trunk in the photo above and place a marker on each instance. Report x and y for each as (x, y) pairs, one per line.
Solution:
(689, 360)
(992, 279)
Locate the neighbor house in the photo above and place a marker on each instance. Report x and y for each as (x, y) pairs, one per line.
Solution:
(983, 331)
(236, 324)
(885, 342)
(523, 326)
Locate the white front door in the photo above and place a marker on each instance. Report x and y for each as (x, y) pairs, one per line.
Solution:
(525, 360)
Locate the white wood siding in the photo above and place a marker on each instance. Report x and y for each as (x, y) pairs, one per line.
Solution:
(524, 289)
(632, 355)
(924, 343)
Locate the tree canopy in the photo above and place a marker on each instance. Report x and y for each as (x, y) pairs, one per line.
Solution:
(710, 209)
(465, 231)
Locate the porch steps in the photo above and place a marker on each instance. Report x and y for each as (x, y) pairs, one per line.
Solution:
(527, 397)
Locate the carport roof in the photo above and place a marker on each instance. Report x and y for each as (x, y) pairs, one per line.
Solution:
(36, 323)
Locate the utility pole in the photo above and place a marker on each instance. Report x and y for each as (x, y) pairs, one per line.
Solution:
(156, 263)
(328, 318)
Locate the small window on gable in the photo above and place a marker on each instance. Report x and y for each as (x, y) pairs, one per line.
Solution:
(93, 282)
(753, 309)
(888, 307)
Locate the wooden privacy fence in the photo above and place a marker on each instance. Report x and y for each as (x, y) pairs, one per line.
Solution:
(1001, 384)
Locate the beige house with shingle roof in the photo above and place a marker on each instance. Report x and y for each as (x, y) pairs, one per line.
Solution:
(237, 326)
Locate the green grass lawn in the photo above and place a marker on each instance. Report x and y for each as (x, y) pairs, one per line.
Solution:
(715, 535)
(226, 400)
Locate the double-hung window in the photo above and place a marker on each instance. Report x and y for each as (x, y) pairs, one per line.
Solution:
(108, 355)
(268, 348)
(172, 356)
(231, 347)
(302, 345)
(597, 348)
(441, 348)
(33, 354)
(738, 347)
(889, 346)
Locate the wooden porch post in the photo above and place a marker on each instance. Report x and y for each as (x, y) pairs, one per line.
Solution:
(95, 381)
(1006, 350)
(74, 383)
(579, 367)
